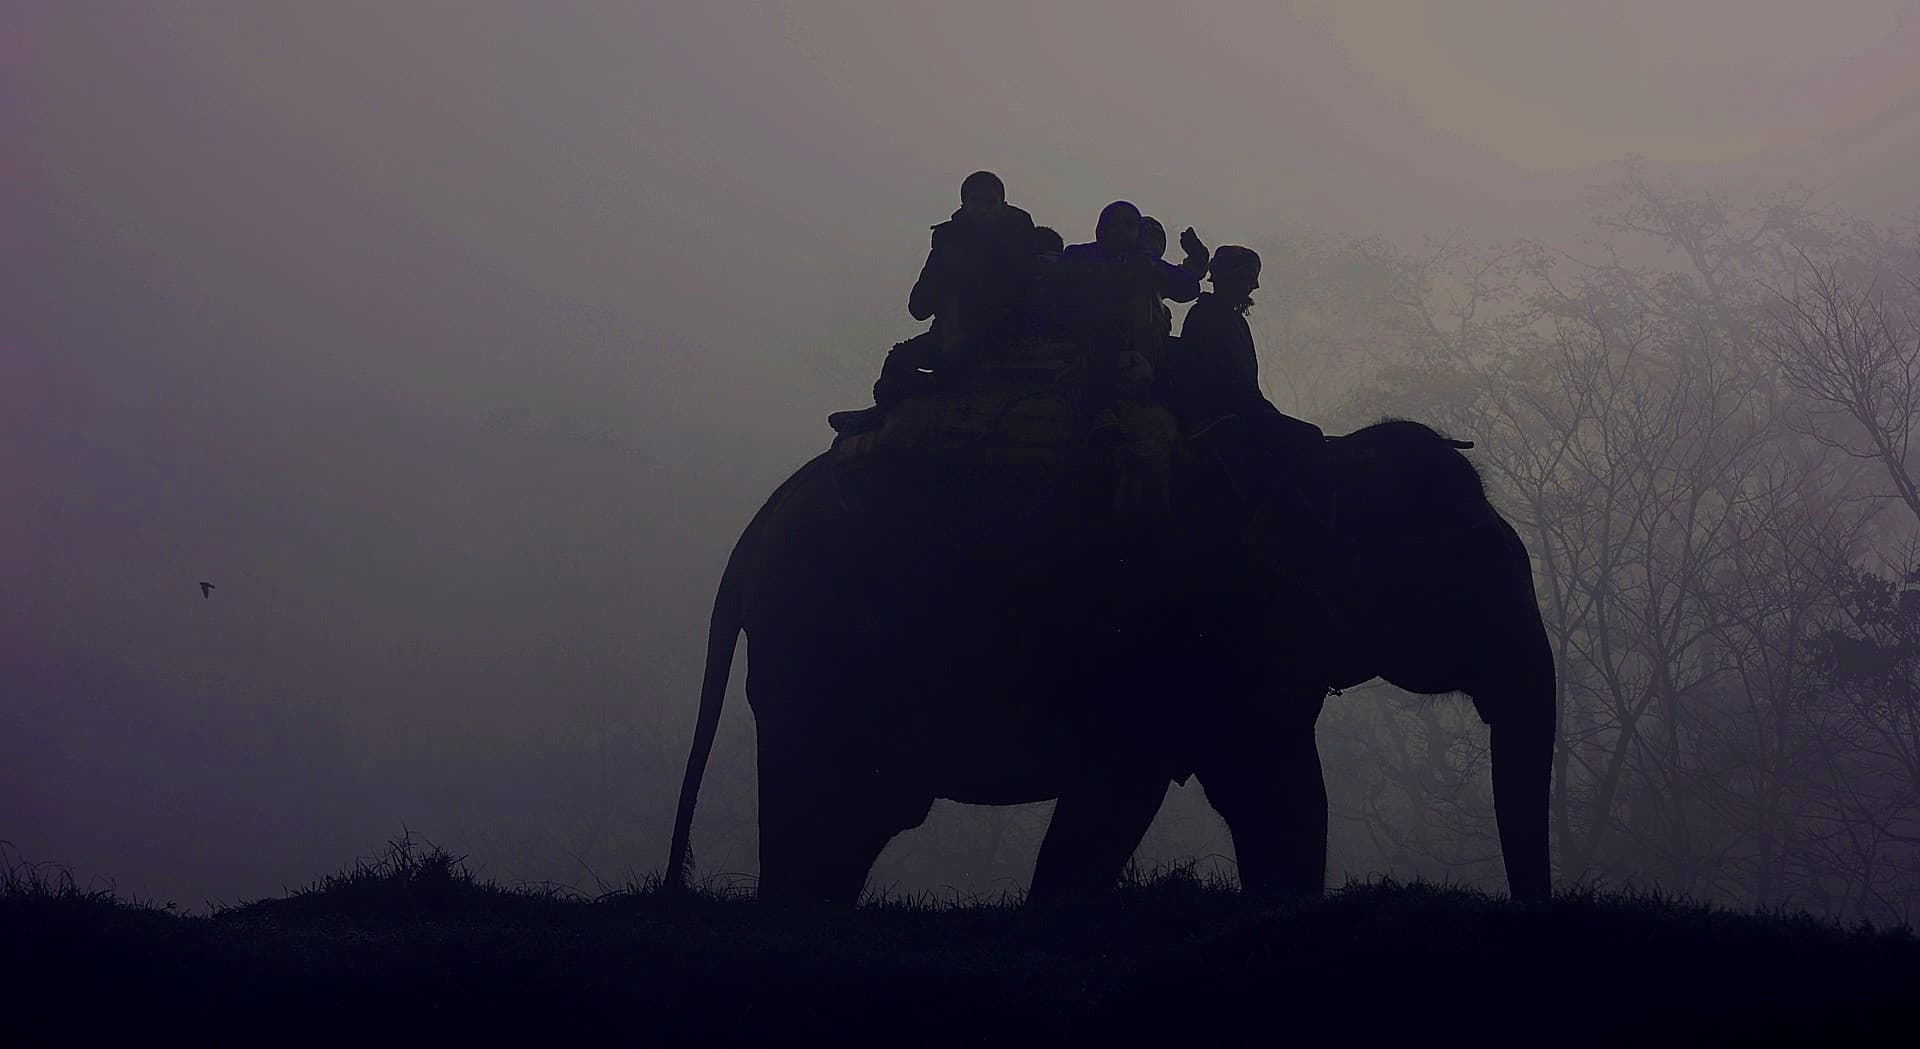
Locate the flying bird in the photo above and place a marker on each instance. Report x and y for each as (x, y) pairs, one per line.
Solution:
(206, 589)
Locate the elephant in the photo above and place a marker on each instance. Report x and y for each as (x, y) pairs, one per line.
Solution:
(921, 636)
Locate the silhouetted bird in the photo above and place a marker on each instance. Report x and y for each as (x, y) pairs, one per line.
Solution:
(206, 589)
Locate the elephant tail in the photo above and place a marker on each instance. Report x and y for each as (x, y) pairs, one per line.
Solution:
(722, 632)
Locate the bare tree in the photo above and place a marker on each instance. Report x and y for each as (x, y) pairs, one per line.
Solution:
(1853, 352)
(1684, 542)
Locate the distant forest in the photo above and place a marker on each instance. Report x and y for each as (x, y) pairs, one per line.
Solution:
(1701, 418)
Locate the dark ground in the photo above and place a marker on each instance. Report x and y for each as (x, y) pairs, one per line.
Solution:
(412, 946)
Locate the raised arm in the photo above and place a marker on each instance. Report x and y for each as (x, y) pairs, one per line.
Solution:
(1175, 282)
(1197, 254)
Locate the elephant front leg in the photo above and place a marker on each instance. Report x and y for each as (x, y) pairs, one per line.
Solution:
(1267, 786)
(1092, 835)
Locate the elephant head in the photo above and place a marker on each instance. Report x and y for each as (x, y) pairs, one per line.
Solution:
(1428, 587)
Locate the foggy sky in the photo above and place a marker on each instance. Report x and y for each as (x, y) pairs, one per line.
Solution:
(455, 342)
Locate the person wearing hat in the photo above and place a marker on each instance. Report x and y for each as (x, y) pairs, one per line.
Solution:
(1216, 373)
(1213, 386)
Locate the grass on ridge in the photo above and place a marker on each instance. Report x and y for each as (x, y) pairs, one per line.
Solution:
(414, 933)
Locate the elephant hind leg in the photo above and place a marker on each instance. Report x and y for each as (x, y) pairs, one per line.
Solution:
(1092, 835)
(823, 822)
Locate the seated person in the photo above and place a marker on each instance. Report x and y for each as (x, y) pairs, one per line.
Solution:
(1048, 244)
(1216, 374)
(1042, 318)
(1108, 295)
(1153, 241)
(1213, 386)
(975, 285)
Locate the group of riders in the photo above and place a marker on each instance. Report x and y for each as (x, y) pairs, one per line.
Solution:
(994, 280)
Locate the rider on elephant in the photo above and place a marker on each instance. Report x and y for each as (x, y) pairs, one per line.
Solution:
(1043, 318)
(1213, 386)
(1048, 244)
(975, 285)
(1217, 373)
(1153, 241)
(1108, 295)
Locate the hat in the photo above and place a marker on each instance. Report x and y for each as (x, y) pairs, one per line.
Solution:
(1232, 260)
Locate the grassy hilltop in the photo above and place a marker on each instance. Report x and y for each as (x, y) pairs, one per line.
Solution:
(414, 944)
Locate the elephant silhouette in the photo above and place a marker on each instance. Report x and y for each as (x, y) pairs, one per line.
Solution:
(914, 636)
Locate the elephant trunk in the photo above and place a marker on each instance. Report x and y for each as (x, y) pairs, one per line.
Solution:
(1520, 705)
(1522, 777)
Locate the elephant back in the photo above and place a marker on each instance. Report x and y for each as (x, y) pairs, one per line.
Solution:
(1021, 421)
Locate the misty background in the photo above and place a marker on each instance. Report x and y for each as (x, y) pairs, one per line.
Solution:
(454, 343)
